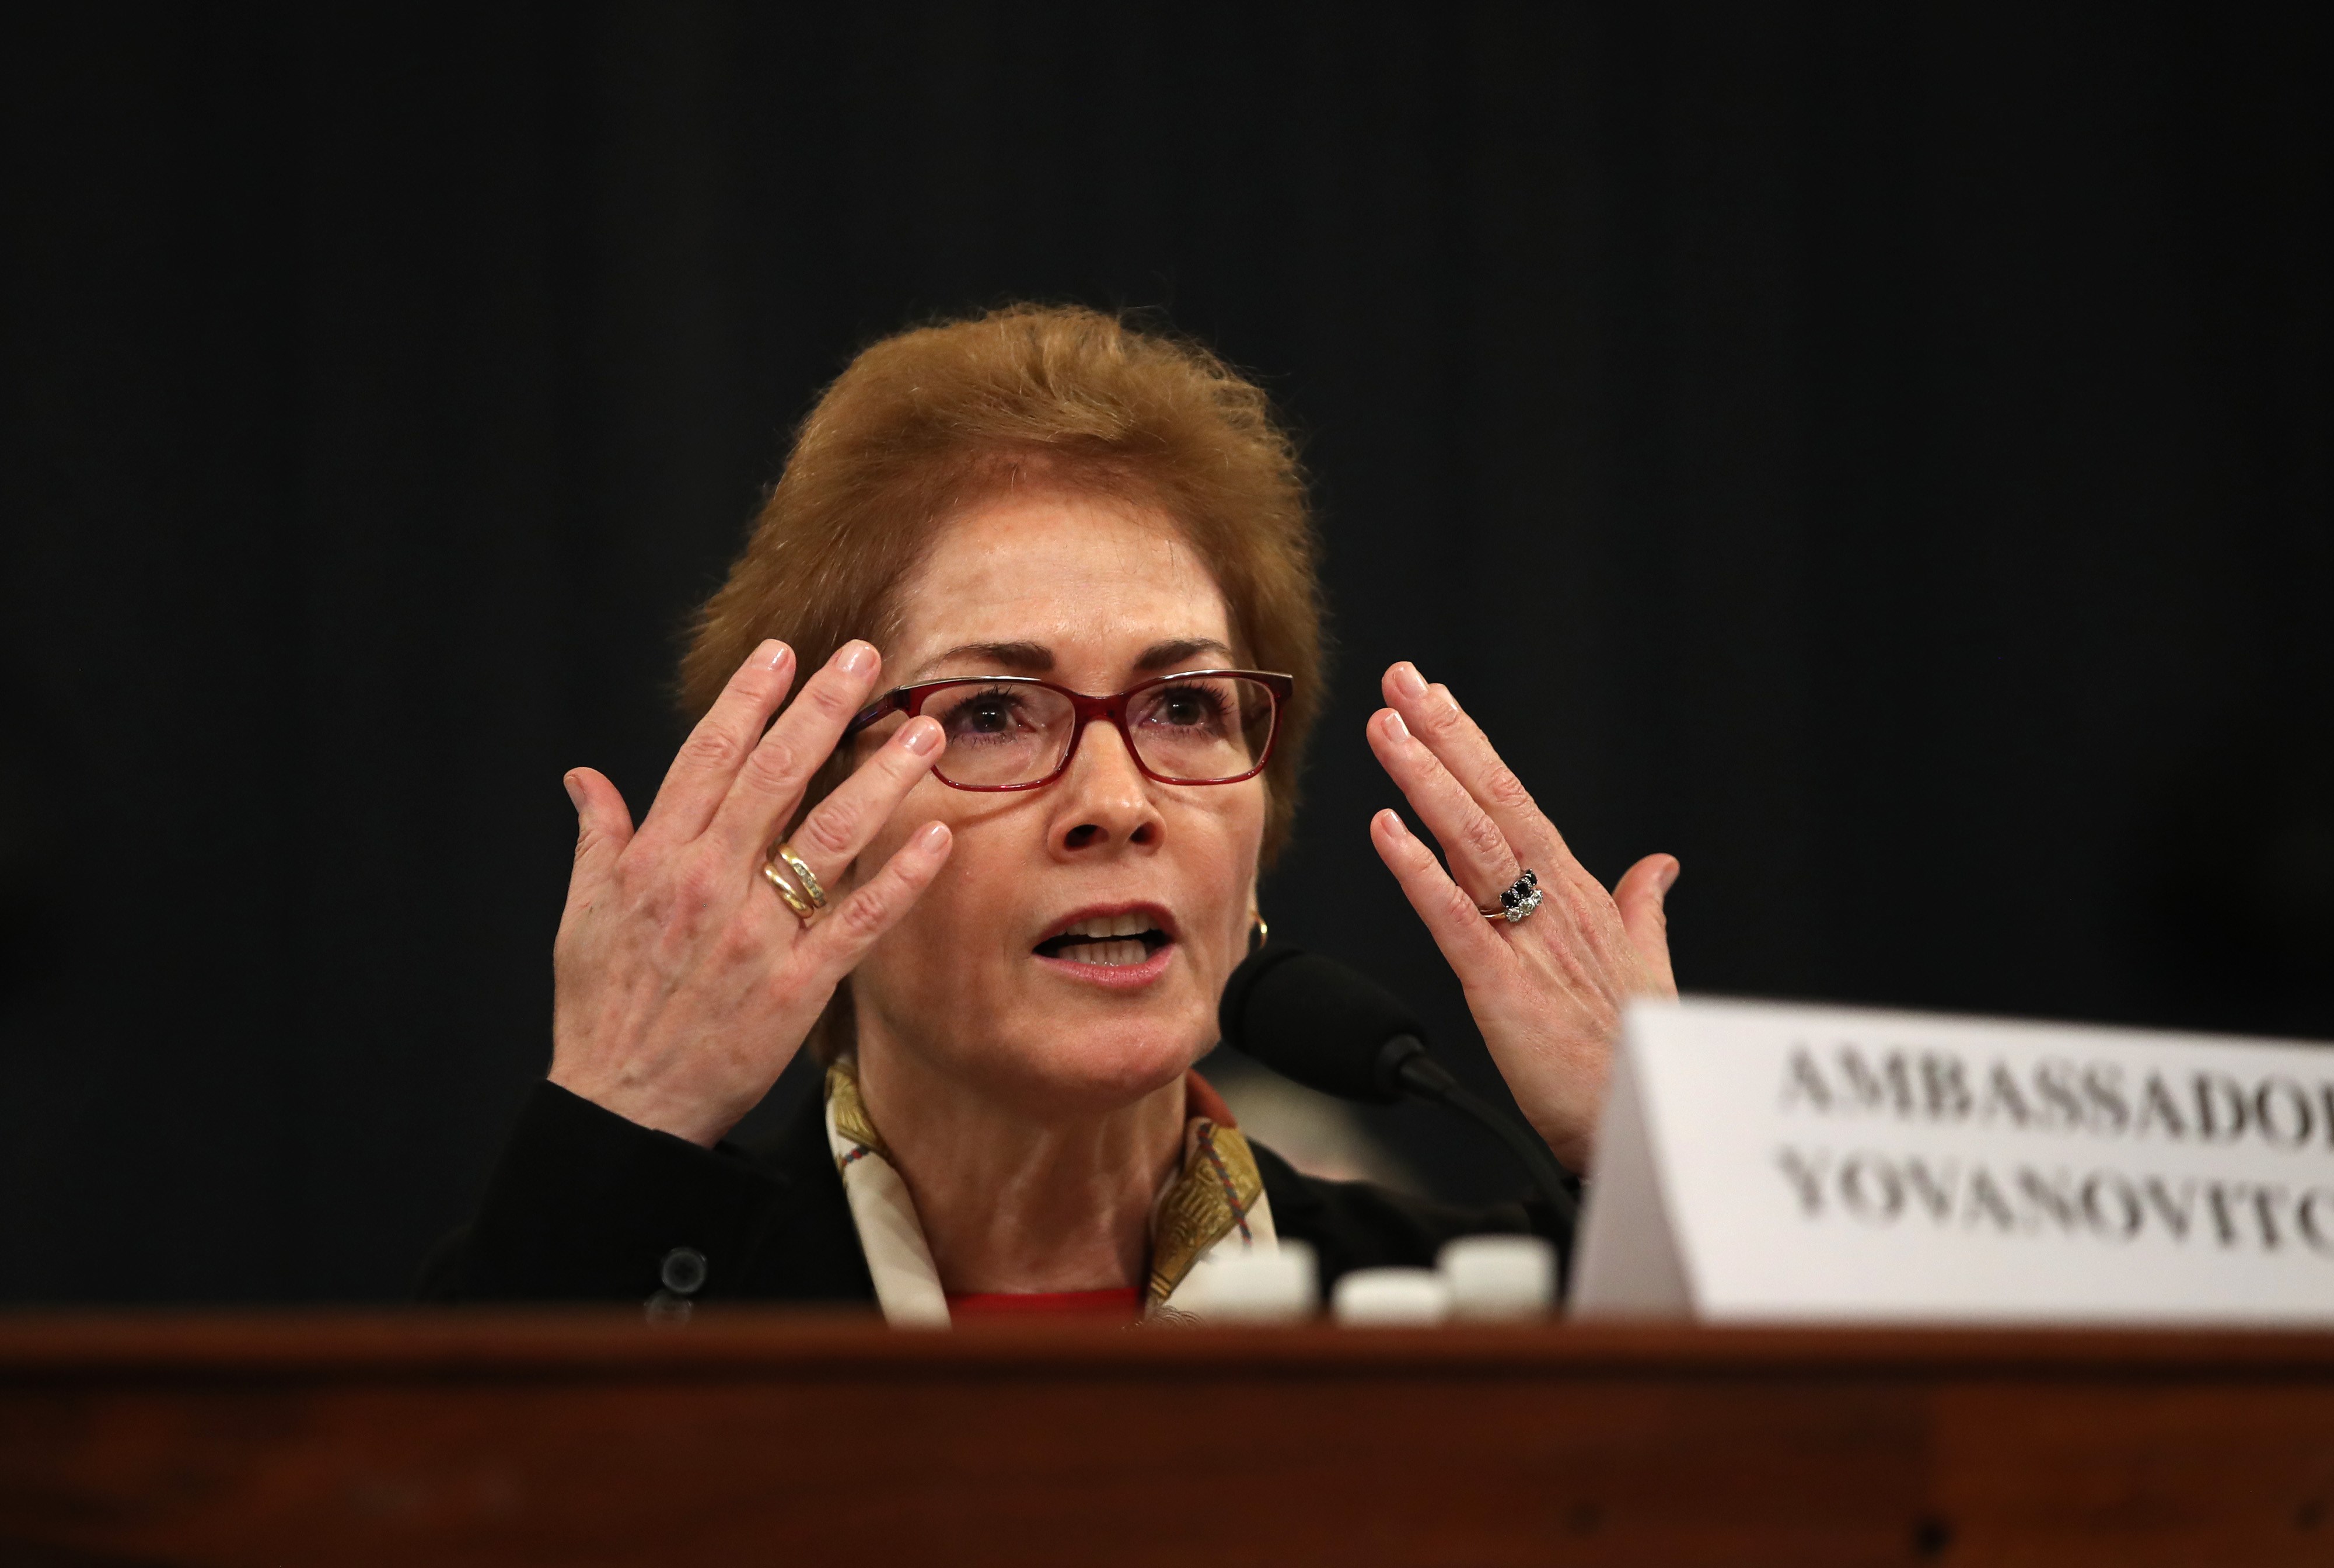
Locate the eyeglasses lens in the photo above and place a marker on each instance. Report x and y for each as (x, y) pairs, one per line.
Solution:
(999, 735)
(1202, 730)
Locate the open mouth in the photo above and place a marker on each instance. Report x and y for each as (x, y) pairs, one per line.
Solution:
(1110, 941)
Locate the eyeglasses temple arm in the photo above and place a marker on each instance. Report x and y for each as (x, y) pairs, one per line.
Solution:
(890, 703)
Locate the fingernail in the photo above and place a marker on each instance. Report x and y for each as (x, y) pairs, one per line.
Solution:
(574, 791)
(934, 838)
(1395, 727)
(1391, 821)
(769, 655)
(1670, 877)
(855, 658)
(922, 736)
(1408, 681)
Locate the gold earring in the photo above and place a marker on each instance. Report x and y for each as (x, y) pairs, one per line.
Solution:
(1263, 932)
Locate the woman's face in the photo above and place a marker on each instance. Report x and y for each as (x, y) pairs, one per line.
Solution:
(976, 980)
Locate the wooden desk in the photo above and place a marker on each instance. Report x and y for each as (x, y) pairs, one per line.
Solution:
(581, 1438)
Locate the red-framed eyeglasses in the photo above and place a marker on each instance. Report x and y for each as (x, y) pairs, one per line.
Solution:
(1018, 732)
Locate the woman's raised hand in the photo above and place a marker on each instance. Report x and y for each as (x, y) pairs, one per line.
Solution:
(683, 984)
(1547, 990)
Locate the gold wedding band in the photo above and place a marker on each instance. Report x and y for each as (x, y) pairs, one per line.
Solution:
(804, 875)
(803, 909)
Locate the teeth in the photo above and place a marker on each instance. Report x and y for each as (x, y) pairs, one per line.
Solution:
(1113, 954)
(1108, 926)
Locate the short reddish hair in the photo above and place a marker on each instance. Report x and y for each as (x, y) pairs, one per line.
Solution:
(923, 424)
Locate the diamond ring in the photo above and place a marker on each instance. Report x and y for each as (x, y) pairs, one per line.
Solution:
(1519, 901)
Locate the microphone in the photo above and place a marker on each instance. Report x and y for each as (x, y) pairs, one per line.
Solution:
(1331, 1027)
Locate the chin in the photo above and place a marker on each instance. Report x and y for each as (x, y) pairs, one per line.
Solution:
(1061, 1038)
(1096, 1059)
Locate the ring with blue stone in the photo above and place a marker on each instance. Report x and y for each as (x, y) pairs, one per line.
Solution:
(1521, 897)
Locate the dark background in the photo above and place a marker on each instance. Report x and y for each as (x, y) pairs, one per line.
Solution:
(1878, 453)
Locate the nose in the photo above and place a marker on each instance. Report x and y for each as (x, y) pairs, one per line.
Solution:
(1103, 801)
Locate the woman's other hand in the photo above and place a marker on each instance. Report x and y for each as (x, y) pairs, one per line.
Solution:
(684, 985)
(1547, 990)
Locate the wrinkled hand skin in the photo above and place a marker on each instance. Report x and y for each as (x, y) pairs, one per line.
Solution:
(1546, 992)
(683, 984)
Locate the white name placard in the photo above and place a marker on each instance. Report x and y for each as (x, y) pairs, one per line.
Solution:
(1760, 1162)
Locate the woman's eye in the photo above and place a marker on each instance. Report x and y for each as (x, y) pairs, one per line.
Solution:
(1186, 708)
(991, 714)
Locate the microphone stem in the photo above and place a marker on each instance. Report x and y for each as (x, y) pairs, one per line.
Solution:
(1428, 1079)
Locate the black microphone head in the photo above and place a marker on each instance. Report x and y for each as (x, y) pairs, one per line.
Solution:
(1314, 1020)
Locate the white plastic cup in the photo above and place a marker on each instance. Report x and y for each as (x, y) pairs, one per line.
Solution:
(1282, 1286)
(1500, 1277)
(1387, 1298)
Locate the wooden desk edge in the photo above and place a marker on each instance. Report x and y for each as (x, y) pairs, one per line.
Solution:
(759, 1342)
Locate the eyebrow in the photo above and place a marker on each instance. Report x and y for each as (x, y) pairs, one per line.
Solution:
(1029, 658)
(1159, 655)
(1037, 658)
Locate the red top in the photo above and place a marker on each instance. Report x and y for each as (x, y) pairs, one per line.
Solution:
(1123, 1304)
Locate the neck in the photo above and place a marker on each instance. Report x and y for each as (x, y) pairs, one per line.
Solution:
(1013, 1199)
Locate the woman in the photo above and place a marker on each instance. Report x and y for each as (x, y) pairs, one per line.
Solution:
(1042, 587)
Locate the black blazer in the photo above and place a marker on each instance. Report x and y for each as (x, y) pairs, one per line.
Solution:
(585, 1205)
